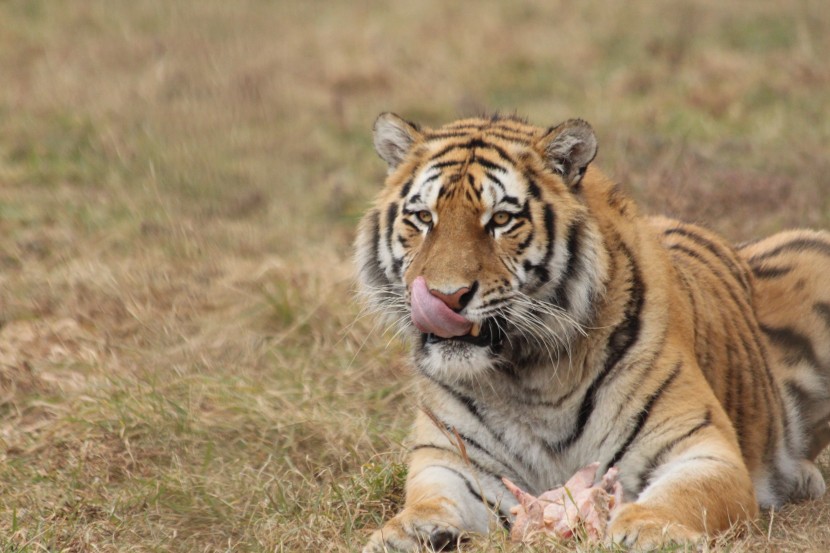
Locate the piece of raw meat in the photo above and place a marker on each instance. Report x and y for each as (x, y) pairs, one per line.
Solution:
(562, 512)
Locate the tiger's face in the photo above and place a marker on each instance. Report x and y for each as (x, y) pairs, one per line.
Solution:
(480, 243)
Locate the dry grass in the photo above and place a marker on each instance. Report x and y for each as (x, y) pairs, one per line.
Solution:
(182, 366)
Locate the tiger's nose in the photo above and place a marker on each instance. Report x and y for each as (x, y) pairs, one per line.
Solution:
(456, 300)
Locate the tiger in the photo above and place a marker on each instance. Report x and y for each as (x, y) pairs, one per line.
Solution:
(552, 326)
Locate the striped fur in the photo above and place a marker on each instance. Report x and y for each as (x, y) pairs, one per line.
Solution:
(700, 370)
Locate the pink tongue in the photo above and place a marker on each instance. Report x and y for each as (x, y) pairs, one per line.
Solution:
(433, 316)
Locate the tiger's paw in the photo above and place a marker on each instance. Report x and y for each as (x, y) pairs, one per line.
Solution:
(642, 528)
(809, 483)
(405, 534)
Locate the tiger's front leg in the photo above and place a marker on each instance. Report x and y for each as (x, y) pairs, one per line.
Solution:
(434, 517)
(446, 498)
(699, 490)
(442, 505)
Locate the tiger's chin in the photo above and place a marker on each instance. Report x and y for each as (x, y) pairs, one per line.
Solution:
(461, 358)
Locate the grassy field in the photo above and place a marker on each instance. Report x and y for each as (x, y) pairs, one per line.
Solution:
(183, 365)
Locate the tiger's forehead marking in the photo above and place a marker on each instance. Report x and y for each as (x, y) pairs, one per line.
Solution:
(472, 159)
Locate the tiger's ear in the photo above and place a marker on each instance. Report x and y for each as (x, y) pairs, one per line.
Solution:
(568, 149)
(394, 137)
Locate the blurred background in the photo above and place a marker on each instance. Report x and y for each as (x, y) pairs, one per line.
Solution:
(183, 363)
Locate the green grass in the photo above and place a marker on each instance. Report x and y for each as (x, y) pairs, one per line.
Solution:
(183, 363)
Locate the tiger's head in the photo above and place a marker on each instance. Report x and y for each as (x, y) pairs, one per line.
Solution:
(481, 244)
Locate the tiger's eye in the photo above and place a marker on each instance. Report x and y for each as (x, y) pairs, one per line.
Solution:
(501, 218)
(425, 216)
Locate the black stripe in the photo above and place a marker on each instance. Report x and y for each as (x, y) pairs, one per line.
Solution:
(440, 135)
(520, 218)
(627, 331)
(766, 384)
(823, 310)
(374, 217)
(518, 138)
(642, 416)
(397, 265)
(513, 227)
(767, 272)
(560, 295)
(799, 244)
(477, 143)
(734, 378)
(473, 126)
(408, 184)
(748, 346)
(447, 149)
(495, 179)
(371, 268)
(484, 162)
(454, 177)
(705, 353)
(698, 320)
(504, 519)
(744, 245)
(468, 441)
(532, 187)
(526, 242)
(542, 271)
(510, 266)
(411, 224)
(474, 444)
(742, 375)
(729, 371)
(454, 451)
(448, 163)
(711, 458)
(525, 136)
(798, 346)
(739, 365)
(391, 212)
(622, 338)
(747, 384)
(715, 250)
(657, 458)
(432, 178)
